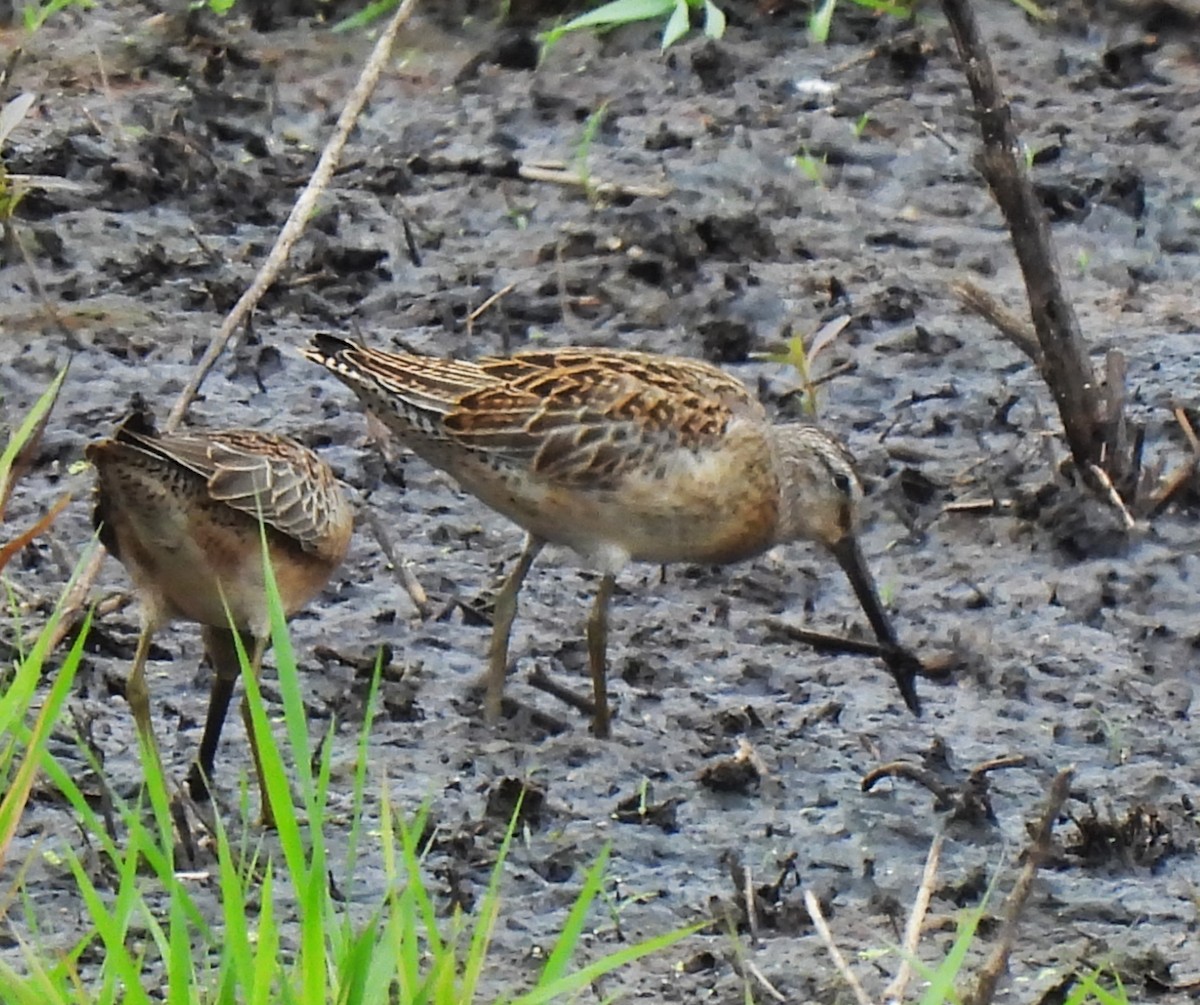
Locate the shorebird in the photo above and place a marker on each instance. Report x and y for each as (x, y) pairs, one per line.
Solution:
(181, 512)
(621, 456)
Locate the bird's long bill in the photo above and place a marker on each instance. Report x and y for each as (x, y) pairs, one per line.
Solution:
(902, 664)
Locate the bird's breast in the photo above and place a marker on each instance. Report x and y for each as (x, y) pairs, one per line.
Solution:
(709, 507)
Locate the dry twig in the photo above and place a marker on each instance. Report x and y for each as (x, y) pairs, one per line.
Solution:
(1181, 475)
(969, 800)
(902, 39)
(1114, 497)
(541, 680)
(1016, 329)
(488, 303)
(936, 666)
(759, 976)
(572, 179)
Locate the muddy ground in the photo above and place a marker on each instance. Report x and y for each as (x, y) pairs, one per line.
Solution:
(188, 139)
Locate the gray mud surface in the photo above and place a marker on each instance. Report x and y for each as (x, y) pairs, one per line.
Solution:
(188, 139)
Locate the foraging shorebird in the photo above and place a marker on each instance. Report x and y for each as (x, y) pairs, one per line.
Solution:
(181, 512)
(621, 456)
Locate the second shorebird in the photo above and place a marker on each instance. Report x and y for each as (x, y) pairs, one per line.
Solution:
(621, 456)
(181, 512)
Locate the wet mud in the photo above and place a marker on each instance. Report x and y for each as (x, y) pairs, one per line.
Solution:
(748, 201)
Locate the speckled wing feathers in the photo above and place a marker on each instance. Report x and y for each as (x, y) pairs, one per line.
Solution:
(248, 470)
(577, 418)
(391, 386)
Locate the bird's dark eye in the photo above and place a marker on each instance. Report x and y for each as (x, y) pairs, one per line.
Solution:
(841, 482)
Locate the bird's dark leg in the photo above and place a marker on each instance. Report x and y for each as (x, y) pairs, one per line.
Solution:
(267, 819)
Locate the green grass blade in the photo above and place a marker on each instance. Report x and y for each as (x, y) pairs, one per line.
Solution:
(112, 930)
(714, 20)
(371, 13)
(237, 954)
(362, 757)
(820, 22)
(265, 959)
(620, 12)
(489, 910)
(13, 804)
(28, 427)
(569, 984)
(677, 25)
(943, 978)
(180, 972)
(568, 939)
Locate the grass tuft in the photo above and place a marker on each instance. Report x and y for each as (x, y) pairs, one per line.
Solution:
(152, 940)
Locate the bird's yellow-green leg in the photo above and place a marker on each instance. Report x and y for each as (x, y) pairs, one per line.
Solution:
(137, 694)
(502, 621)
(597, 643)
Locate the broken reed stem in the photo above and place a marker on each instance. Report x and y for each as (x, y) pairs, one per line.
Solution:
(488, 303)
(290, 233)
(1035, 854)
(1066, 366)
(1114, 497)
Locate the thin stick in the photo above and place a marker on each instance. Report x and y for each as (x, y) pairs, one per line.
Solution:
(1186, 425)
(751, 906)
(998, 764)
(977, 505)
(571, 179)
(759, 976)
(1018, 331)
(1114, 497)
(408, 580)
(901, 39)
(76, 597)
(301, 213)
(1177, 480)
(943, 793)
(835, 954)
(1065, 367)
(848, 367)
(894, 992)
(544, 682)
(22, 539)
(483, 307)
(39, 290)
(1182, 475)
(823, 642)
